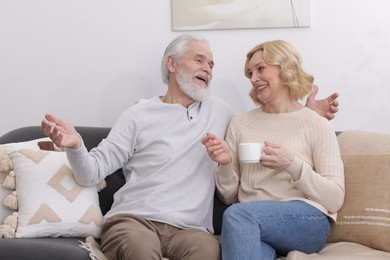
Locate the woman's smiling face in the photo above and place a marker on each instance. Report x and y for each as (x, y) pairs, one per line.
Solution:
(265, 78)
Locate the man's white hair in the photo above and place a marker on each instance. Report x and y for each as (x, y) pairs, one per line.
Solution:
(176, 49)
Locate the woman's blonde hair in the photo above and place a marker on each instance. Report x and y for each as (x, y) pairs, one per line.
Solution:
(284, 55)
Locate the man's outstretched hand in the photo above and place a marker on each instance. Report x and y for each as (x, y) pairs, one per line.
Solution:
(326, 107)
(61, 133)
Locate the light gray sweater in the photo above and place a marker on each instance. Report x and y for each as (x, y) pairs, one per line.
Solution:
(169, 175)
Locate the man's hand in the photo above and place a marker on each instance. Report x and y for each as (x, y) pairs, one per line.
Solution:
(217, 149)
(61, 133)
(326, 107)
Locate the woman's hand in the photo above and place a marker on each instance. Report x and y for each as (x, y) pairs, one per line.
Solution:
(276, 156)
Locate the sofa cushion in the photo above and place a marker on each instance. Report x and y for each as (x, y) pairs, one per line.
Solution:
(365, 215)
(340, 251)
(361, 142)
(51, 203)
(6, 168)
(4, 211)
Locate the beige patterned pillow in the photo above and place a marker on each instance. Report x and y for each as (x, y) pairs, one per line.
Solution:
(6, 167)
(51, 203)
(365, 215)
(4, 192)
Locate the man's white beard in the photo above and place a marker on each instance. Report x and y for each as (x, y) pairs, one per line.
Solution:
(186, 84)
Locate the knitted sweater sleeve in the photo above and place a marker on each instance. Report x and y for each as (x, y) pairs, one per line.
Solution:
(322, 183)
(112, 153)
(227, 178)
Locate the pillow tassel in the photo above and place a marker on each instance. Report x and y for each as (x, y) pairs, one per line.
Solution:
(12, 220)
(102, 184)
(11, 201)
(9, 181)
(5, 164)
(93, 248)
(7, 231)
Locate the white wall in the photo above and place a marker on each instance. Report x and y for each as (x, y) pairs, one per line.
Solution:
(88, 60)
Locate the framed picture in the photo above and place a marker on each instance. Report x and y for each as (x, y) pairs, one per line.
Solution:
(239, 14)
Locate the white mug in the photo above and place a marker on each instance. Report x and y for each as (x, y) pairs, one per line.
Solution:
(250, 152)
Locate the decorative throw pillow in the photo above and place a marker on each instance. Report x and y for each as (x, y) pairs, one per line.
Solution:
(51, 203)
(4, 211)
(365, 215)
(4, 192)
(6, 167)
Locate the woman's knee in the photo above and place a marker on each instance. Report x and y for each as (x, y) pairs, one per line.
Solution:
(233, 214)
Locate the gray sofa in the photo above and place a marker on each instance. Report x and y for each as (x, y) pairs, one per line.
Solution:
(355, 242)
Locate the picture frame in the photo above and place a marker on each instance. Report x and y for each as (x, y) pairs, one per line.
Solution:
(239, 14)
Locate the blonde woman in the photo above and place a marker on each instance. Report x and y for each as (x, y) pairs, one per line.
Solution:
(285, 201)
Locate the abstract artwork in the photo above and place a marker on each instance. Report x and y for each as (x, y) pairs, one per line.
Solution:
(239, 14)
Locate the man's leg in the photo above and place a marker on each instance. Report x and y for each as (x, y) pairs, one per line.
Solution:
(189, 244)
(127, 236)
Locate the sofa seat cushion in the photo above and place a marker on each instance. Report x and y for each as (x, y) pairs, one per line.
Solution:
(341, 251)
(43, 248)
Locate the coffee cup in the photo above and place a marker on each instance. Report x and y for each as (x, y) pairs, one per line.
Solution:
(250, 152)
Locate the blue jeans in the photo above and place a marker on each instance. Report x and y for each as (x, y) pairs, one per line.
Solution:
(263, 230)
